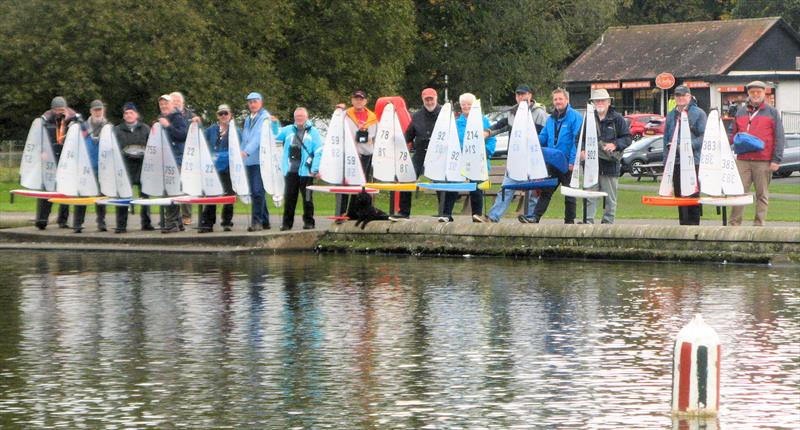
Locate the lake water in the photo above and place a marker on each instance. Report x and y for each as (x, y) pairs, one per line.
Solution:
(354, 341)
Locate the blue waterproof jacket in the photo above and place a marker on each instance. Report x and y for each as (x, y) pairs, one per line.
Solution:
(312, 147)
(697, 128)
(569, 127)
(251, 135)
(461, 126)
(219, 147)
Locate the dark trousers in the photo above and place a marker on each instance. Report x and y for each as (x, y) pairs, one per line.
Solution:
(260, 214)
(43, 208)
(687, 215)
(418, 160)
(80, 216)
(172, 215)
(570, 204)
(343, 200)
(209, 216)
(475, 201)
(296, 184)
(144, 213)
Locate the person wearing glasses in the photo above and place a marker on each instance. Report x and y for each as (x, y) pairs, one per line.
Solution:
(217, 138)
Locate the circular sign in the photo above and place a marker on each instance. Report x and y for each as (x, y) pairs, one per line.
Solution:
(665, 81)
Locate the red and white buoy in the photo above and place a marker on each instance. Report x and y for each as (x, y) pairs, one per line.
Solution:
(695, 369)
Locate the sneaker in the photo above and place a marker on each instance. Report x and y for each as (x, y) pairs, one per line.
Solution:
(253, 228)
(77, 230)
(171, 230)
(399, 218)
(522, 219)
(478, 218)
(285, 227)
(227, 228)
(148, 227)
(63, 225)
(205, 230)
(266, 226)
(120, 230)
(41, 225)
(102, 228)
(308, 226)
(445, 219)
(187, 220)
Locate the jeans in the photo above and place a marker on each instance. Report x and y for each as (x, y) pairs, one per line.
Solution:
(296, 184)
(257, 193)
(607, 184)
(504, 199)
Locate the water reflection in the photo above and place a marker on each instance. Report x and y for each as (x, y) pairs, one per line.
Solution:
(308, 341)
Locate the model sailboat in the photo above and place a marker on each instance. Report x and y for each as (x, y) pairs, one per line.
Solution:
(391, 161)
(525, 161)
(340, 165)
(199, 177)
(270, 163)
(111, 171)
(443, 159)
(160, 176)
(236, 165)
(37, 170)
(718, 175)
(587, 174)
(688, 177)
(75, 175)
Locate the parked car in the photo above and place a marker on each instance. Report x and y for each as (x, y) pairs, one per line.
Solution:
(655, 126)
(501, 145)
(638, 153)
(638, 121)
(791, 157)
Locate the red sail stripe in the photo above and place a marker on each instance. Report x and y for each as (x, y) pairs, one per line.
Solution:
(685, 379)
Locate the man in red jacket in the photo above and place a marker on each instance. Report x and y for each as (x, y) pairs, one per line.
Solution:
(763, 121)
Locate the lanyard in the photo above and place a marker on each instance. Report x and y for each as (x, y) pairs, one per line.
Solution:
(749, 120)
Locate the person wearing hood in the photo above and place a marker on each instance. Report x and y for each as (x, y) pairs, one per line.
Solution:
(561, 132)
(302, 154)
(687, 215)
(613, 137)
(97, 120)
(56, 121)
(762, 122)
(418, 136)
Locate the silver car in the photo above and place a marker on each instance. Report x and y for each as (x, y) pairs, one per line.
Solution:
(791, 156)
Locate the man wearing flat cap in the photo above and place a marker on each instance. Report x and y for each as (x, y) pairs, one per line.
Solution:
(56, 121)
(687, 215)
(762, 121)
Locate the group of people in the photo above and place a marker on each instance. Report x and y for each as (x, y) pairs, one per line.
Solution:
(302, 153)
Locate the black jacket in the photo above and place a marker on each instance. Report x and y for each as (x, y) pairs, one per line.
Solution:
(421, 127)
(612, 129)
(127, 137)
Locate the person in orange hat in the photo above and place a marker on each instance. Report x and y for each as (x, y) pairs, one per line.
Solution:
(418, 135)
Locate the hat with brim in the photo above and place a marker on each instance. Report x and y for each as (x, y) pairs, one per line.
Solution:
(522, 89)
(96, 104)
(600, 94)
(223, 108)
(756, 84)
(359, 94)
(682, 90)
(165, 97)
(254, 96)
(429, 92)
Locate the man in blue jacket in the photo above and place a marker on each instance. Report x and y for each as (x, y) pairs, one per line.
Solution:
(302, 153)
(217, 138)
(176, 129)
(560, 132)
(251, 146)
(687, 215)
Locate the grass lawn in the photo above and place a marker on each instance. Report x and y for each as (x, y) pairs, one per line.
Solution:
(629, 205)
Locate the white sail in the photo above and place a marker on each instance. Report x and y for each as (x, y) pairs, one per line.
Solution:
(525, 158)
(731, 180)
(37, 169)
(111, 171)
(718, 175)
(436, 156)
(591, 173)
(212, 186)
(236, 166)
(391, 161)
(270, 162)
(688, 172)
(75, 175)
(665, 189)
(191, 168)
(160, 175)
(473, 150)
(353, 171)
(331, 168)
(577, 170)
(453, 171)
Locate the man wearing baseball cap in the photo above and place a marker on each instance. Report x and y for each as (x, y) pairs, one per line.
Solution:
(687, 215)
(762, 121)
(217, 138)
(362, 123)
(418, 135)
(251, 144)
(55, 121)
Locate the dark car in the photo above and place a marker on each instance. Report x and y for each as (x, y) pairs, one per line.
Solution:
(639, 153)
(638, 121)
(791, 156)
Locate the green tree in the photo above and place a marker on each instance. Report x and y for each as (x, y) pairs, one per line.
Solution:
(635, 12)
(788, 9)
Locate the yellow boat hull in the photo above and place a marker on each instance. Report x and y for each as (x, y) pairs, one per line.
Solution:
(76, 201)
(386, 186)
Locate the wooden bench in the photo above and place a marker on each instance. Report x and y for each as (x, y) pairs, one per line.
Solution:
(652, 170)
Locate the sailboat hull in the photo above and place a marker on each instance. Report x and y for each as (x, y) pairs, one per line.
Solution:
(743, 200)
(164, 201)
(582, 194)
(393, 187)
(341, 189)
(670, 201)
(533, 185)
(114, 202)
(461, 187)
(76, 201)
(38, 194)
(216, 200)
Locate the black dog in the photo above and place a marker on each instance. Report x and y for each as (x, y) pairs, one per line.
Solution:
(363, 211)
